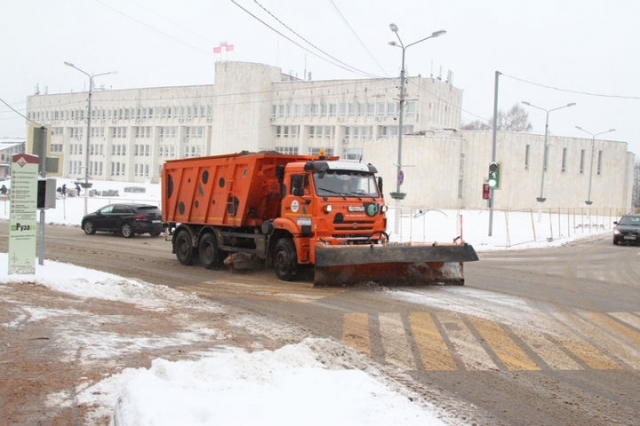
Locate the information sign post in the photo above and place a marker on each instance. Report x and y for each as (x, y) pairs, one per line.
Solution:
(22, 218)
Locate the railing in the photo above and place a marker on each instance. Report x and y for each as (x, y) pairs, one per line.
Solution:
(510, 229)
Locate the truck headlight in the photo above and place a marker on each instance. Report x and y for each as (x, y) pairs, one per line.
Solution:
(328, 208)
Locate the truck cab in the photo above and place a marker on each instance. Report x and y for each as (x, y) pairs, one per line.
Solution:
(331, 202)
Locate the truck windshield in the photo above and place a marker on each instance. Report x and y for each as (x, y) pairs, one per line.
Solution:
(345, 183)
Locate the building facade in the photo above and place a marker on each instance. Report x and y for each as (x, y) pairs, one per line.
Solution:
(9, 148)
(256, 107)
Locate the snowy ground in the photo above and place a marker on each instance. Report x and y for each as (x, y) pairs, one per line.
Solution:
(231, 386)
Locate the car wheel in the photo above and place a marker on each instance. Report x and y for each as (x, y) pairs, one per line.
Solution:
(126, 230)
(88, 228)
(285, 261)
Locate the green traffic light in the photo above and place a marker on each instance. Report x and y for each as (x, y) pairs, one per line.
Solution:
(493, 179)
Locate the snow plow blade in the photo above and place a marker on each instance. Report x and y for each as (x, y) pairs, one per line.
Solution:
(399, 265)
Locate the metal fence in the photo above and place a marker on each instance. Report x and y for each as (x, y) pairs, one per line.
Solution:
(508, 229)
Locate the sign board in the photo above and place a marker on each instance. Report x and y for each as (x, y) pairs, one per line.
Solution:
(22, 216)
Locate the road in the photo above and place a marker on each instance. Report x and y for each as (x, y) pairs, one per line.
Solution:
(544, 337)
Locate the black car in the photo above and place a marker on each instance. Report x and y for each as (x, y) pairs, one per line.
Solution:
(627, 230)
(125, 219)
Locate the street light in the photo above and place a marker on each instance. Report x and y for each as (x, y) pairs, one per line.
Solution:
(91, 77)
(593, 143)
(541, 198)
(399, 177)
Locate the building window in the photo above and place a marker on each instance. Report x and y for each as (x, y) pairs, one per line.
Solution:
(599, 162)
(461, 177)
(380, 110)
(411, 109)
(332, 110)
(371, 108)
(391, 109)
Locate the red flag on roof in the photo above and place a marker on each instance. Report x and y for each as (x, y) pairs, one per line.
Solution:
(223, 45)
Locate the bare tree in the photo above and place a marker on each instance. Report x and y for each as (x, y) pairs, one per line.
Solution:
(476, 125)
(514, 120)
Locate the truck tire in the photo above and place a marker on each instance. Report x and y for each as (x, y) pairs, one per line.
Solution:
(211, 256)
(183, 248)
(285, 260)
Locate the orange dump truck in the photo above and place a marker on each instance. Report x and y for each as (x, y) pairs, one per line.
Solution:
(294, 212)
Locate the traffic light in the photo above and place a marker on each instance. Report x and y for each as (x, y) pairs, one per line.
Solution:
(494, 175)
(486, 192)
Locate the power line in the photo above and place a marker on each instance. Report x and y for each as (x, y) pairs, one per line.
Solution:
(334, 61)
(344, 19)
(151, 27)
(601, 95)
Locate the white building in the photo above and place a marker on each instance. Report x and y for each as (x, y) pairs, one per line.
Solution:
(256, 107)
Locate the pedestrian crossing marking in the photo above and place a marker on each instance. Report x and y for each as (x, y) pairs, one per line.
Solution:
(616, 347)
(433, 349)
(355, 332)
(281, 291)
(464, 343)
(631, 319)
(395, 341)
(511, 355)
(578, 346)
(547, 350)
(446, 341)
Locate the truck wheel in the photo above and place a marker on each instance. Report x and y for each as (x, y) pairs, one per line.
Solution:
(210, 256)
(285, 262)
(183, 248)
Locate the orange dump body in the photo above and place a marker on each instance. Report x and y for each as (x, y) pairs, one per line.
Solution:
(228, 190)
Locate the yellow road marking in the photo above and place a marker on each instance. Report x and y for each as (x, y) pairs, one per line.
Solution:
(471, 352)
(589, 354)
(513, 357)
(433, 349)
(395, 342)
(551, 354)
(281, 291)
(355, 332)
(626, 317)
(620, 341)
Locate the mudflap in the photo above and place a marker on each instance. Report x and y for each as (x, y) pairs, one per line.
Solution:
(392, 265)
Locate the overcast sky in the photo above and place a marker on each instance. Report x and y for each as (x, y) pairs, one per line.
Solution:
(550, 52)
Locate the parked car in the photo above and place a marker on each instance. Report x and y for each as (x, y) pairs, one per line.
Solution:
(627, 230)
(125, 219)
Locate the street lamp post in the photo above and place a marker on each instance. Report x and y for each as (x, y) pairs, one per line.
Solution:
(91, 77)
(593, 143)
(397, 195)
(541, 198)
